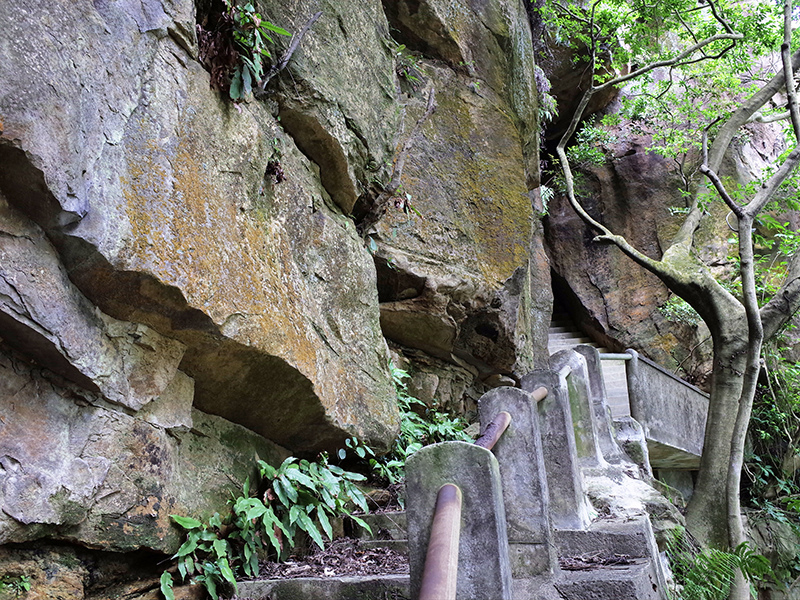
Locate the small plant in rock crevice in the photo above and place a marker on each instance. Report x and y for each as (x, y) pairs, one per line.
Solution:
(298, 497)
(236, 48)
(18, 585)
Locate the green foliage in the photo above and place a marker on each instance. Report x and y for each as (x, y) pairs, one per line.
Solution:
(298, 496)
(419, 426)
(251, 34)
(408, 66)
(19, 585)
(707, 574)
(676, 309)
(588, 147)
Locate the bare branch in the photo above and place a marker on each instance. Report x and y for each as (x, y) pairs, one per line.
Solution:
(788, 72)
(769, 188)
(674, 61)
(761, 118)
(284, 59)
(743, 114)
(720, 187)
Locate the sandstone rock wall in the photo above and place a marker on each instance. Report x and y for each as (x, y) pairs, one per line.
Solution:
(170, 310)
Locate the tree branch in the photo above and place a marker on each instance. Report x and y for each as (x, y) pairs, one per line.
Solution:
(743, 114)
(788, 71)
(284, 59)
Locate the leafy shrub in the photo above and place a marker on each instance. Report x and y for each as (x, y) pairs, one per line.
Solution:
(251, 32)
(419, 426)
(298, 496)
(707, 574)
(676, 309)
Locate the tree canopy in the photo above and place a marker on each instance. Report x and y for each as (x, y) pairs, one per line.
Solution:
(696, 72)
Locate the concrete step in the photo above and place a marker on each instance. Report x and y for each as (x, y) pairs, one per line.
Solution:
(567, 335)
(327, 588)
(634, 581)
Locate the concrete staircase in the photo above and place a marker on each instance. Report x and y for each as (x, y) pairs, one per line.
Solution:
(564, 334)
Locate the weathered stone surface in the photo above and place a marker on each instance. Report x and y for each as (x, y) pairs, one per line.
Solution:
(76, 468)
(483, 562)
(584, 422)
(569, 508)
(334, 588)
(45, 316)
(153, 189)
(522, 470)
(459, 282)
(339, 100)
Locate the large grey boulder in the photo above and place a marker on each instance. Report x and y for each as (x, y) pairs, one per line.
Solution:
(77, 468)
(153, 189)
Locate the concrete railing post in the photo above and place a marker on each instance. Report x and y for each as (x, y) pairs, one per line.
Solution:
(580, 402)
(602, 414)
(569, 508)
(522, 471)
(483, 563)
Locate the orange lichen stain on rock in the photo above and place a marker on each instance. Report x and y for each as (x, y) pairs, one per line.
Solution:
(186, 231)
(473, 173)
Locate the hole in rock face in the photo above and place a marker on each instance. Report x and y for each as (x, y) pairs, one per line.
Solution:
(395, 284)
(487, 330)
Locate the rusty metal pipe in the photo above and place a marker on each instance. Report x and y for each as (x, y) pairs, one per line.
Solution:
(494, 430)
(440, 574)
(539, 394)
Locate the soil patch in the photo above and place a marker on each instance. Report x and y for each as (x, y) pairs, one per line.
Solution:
(342, 557)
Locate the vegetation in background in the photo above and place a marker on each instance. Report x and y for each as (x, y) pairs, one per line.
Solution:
(707, 574)
(419, 426)
(298, 497)
(697, 75)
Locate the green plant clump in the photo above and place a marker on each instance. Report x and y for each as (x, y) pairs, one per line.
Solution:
(707, 574)
(298, 496)
(251, 32)
(18, 585)
(419, 426)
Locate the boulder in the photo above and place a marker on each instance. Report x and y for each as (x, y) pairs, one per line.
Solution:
(460, 268)
(154, 190)
(78, 468)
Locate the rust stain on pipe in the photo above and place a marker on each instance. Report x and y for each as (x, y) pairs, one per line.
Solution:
(494, 430)
(441, 561)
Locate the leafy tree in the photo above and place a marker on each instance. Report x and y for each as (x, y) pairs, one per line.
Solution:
(714, 79)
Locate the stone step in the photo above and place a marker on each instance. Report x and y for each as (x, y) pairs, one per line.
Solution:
(328, 588)
(635, 581)
(384, 525)
(567, 335)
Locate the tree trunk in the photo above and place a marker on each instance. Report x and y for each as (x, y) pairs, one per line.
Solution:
(707, 512)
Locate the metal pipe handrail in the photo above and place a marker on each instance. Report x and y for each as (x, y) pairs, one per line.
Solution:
(613, 356)
(494, 430)
(539, 394)
(440, 575)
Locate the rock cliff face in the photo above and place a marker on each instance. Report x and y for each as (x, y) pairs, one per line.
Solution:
(169, 309)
